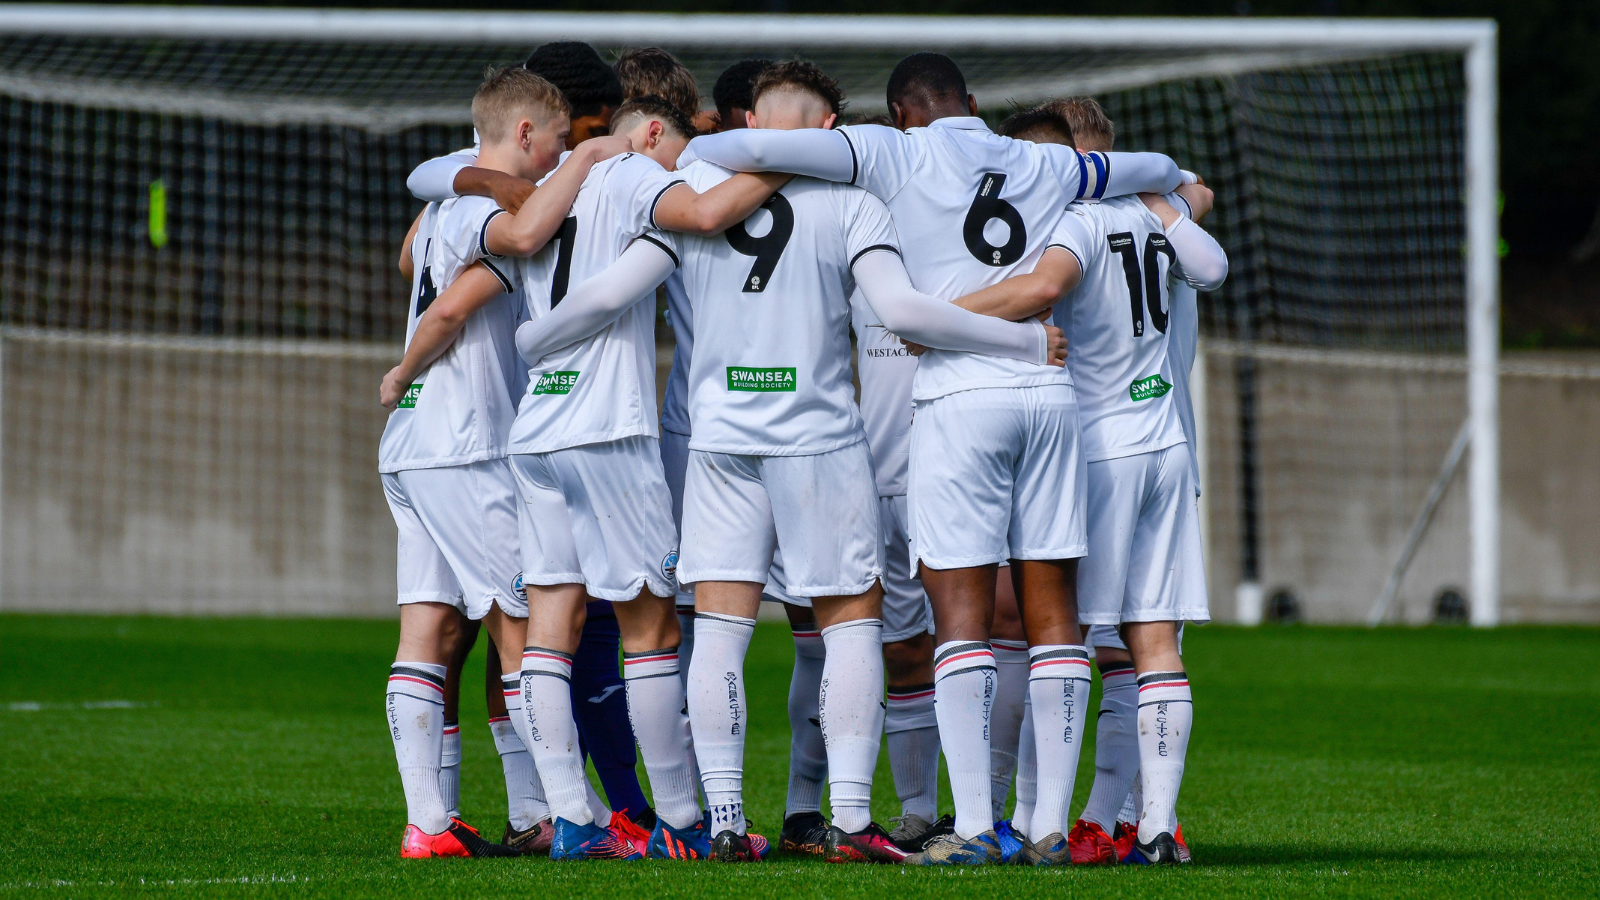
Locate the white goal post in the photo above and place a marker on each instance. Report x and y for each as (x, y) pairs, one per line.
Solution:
(1211, 48)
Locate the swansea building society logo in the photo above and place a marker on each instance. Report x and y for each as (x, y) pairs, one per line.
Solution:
(1148, 388)
(744, 379)
(409, 401)
(669, 566)
(555, 383)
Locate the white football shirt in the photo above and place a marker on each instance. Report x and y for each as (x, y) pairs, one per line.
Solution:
(460, 409)
(601, 388)
(1119, 325)
(770, 372)
(886, 369)
(972, 208)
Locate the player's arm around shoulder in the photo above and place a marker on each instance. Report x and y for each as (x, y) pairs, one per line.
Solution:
(437, 328)
(684, 209)
(539, 218)
(1201, 260)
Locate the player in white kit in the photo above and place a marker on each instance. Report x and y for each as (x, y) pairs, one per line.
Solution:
(596, 510)
(994, 455)
(1120, 259)
(443, 452)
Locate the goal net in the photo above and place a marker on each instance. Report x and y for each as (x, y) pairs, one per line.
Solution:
(203, 211)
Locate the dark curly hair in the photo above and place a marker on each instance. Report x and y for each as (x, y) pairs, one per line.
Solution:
(581, 75)
(733, 86)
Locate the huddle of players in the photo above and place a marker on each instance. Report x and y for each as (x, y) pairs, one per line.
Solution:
(766, 460)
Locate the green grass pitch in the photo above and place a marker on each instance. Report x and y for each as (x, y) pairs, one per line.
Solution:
(249, 757)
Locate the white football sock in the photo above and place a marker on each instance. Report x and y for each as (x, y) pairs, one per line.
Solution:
(808, 756)
(1130, 805)
(1058, 688)
(1116, 746)
(1165, 715)
(1005, 719)
(912, 732)
(1027, 774)
(963, 684)
(450, 769)
(655, 708)
(851, 713)
(685, 642)
(525, 804)
(415, 706)
(551, 735)
(718, 714)
(597, 804)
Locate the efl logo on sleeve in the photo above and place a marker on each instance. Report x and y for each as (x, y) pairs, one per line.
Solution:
(556, 383)
(409, 400)
(743, 379)
(1148, 388)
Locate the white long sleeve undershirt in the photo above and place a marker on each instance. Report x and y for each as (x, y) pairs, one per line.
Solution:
(905, 311)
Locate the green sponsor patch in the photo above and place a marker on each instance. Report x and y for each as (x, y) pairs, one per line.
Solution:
(409, 401)
(556, 383)
(743, 379)
(1148, 388)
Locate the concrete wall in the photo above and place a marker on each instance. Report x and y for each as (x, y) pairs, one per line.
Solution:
(167, 477)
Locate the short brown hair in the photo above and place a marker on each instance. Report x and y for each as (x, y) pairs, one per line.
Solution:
(652, 107)
(647, 71)
(802, 75)
(1090, 124)
(509, 94)
(1039, 125)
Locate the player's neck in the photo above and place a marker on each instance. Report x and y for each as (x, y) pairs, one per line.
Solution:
(920, 115)
(507, 158)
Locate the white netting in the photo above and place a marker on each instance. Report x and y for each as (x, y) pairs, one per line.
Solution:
(189, 415)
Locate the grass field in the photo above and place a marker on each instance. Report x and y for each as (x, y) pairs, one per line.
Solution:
(249, 757)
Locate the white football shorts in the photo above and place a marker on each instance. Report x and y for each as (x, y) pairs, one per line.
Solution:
(674, 459)
(458, 537)
(738, 511)
(906, 612)
(1107, 636)
(997, 474)
(1144, 562)
(599, 515)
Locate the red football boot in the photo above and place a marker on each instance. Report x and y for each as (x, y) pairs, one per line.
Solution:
(460, 839)
(1090, 845)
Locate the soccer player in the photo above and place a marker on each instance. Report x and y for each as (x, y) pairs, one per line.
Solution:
(442, 457)
(597, 513)
(731, 93)
(1119, 749)
(653, 72)
(994, 455)
(779, 464)
(733, 87)
(594, 92)
(1143, 570)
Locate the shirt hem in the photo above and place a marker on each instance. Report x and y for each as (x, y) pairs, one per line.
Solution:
(1154, 446)
(582, 440)
(773, 450)
(988, 383)
(441, 462)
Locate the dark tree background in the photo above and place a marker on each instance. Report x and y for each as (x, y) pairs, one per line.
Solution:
(1549, 119)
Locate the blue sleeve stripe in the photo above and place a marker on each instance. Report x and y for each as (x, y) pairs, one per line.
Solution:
(1083, 177)
(1102, 172)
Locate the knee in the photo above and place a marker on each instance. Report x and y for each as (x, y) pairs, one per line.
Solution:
(903, 660)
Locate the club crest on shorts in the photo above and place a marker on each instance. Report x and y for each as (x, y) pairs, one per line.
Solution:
(669, 566)
(519, 589)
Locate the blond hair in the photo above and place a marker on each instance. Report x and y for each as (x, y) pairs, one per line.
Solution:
(1091, 127)
(511, 94)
